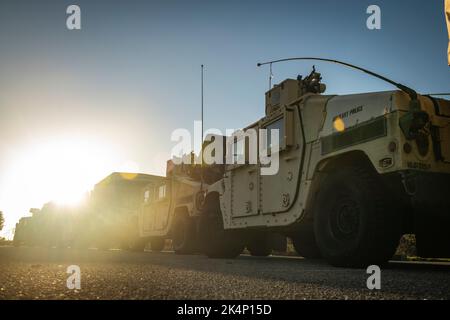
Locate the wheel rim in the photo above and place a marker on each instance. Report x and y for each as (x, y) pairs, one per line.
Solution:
(345, 220)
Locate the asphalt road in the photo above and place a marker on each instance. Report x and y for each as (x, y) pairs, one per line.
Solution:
(37, 273)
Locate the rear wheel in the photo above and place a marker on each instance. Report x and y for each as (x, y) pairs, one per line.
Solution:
(184, 238)
(305, 243)
(139, 245)
(259, 245)
(216, 242)
(136, 244)
(157, 244)
(355, 221)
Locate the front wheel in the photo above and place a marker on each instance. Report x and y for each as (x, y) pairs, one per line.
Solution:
(184, 237)
(157, 244)
(305, 243)
(355, 222)
(216, 242)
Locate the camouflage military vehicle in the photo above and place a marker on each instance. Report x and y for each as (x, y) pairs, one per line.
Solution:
(355, 173)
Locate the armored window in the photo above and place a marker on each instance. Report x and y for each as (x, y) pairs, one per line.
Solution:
(162, 192)
(147, 196)
(239, 151)
(276, 127)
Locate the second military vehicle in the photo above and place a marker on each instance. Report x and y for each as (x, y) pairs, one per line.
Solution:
(172, 209)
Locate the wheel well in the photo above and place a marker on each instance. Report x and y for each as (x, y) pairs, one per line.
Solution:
(353, 157)
(329, 165)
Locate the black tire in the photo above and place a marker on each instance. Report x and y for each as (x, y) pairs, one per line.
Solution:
(138, 244)
(157, 244)
(218, 243)
(259, 245)
(305, 243)
(355, 221)
(183, 235)
(278, 242)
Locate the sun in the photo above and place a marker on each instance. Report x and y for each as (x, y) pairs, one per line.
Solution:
(62, 170)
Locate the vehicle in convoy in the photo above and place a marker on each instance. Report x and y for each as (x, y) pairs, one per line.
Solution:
(172, 208)
(108, 218)
(49, 226)
(111, 219)
(22, 231)
(356, 172)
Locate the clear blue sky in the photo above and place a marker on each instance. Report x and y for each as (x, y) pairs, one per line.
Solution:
(131, 75)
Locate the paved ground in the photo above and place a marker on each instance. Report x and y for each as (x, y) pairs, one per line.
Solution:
(35, 273)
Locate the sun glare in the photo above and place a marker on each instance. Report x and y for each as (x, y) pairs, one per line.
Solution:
(59, 170)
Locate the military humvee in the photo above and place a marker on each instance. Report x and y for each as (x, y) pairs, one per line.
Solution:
(169, 209)
(172, 209)
(355, 173)
(111, 219)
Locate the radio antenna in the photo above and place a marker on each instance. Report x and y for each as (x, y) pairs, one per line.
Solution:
(411, 123)
(412, 93)
(201, 142)
(270, 77)
(438, 94)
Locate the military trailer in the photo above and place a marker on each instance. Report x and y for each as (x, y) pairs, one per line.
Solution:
(356, 172)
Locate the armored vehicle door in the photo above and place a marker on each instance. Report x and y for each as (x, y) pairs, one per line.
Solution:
(243, 177)
(156, 207)
(279, 190)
